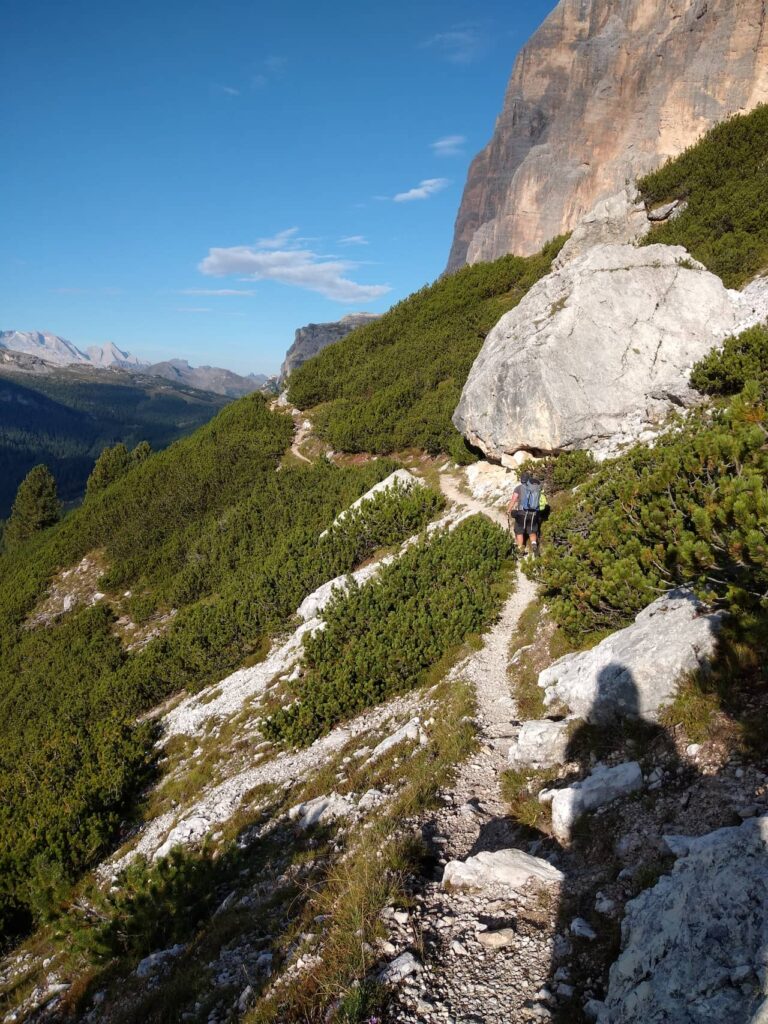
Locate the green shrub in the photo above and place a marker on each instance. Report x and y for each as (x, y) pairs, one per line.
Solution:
(727, 370)
(723, 179)
(691, 510)
(395, 382)
(380, 639)
(36, 506)
(209, 526)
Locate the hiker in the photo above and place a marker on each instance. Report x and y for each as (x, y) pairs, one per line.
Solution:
(526, 506)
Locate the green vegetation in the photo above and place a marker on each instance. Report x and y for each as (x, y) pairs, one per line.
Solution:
(395, 383)
(65, 418)
(380, 639)
(208, 526)
(114, 463)
(726, 371)
(691, 510)
(35, 508)
(723, 180)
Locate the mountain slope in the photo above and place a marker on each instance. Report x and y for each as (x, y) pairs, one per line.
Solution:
(207, 378)
(395, 383)
(65, 416)
(597, 98)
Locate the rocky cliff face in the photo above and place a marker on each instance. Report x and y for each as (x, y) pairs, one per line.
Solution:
(604, 91)
(309, 340)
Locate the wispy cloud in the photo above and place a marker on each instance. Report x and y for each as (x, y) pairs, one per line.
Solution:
(284, 258)
(353, 240)
(226, 90)
(449, 145)
(193, 309)
(461, 44)
(216, 291)
(426, 188)
(267, 70)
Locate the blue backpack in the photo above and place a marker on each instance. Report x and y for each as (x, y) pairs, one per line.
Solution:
(530, 498)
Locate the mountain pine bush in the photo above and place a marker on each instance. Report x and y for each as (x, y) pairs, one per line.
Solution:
(723, 179)
(36, 506)
(395, 382)
(691, 510)
(209, 525)
(380, 639)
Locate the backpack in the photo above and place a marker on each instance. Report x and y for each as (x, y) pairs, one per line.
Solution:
(530, 498)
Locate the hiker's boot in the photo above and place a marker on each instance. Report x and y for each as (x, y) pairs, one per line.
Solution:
(535, 549)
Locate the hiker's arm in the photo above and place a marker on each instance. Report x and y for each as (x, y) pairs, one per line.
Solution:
(513, 502)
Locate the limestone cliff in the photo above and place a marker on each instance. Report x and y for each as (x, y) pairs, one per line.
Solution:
(605, 90)
(309, 340)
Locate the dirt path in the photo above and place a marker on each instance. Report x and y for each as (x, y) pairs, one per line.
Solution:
(462, 981)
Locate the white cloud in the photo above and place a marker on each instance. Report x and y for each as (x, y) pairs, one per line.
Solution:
(461, 44)
(426, 188)
(281, 258)
(216, 291)
(228, 90)
(449, 145)
(353, 240)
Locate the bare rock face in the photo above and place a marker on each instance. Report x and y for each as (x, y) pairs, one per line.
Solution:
(596, 354)
(694, 946)
(636, 671)
(603, 92)
(311, 339)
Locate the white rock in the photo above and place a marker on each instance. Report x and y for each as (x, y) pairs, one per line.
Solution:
(399, 969)
(321, 810)
(683, 939)
(410, 731)
(370, 799)
(186, 833)
(618, 220)
(583, 929)
(155, 960)
(596, 353)
(489, 482)
(541, 744)
(635, 672)
(497, 939)
(512, 868)
(600, 788)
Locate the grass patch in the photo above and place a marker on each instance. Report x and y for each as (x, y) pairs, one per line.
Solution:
(696, 709)
(545, 642)
(520, 788)
(372, 874)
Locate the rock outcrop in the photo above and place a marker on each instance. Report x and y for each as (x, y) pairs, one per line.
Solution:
(512, 868)
(602, 786)
(596, 354)
(604, 91)
(695, 946)
(310, 340)
(635, 672)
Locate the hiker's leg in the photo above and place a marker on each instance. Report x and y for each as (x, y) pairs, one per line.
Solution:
(520, 540)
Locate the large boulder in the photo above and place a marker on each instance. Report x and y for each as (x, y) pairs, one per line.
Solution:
(596, 354)
(695, 946)
(635, 672)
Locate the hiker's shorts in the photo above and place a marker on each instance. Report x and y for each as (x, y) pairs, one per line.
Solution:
(526, 522)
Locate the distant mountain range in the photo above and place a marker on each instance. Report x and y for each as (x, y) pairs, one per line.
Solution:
(57, 352)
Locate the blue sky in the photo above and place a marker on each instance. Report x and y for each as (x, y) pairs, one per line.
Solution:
(197, 179)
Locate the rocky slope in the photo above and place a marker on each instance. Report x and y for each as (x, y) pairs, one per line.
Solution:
(603, 92)
(311, 339)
